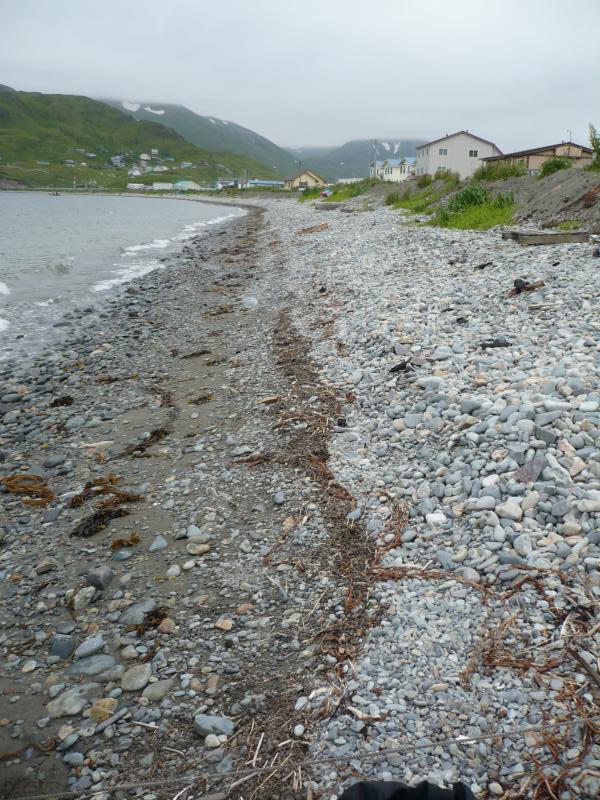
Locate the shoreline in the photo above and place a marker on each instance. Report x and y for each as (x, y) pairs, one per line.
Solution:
(326, 550)
(95, 296)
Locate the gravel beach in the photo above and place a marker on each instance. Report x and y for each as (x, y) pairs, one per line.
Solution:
(318, 502)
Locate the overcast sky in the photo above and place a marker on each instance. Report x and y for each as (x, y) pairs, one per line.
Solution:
(320, 72)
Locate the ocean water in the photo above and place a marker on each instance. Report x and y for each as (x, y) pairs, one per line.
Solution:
(70, 250)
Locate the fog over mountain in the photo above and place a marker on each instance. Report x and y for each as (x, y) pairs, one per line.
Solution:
(307, 73)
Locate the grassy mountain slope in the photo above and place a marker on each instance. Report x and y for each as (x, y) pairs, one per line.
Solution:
(212, 134)
(51, 128)
(352, 159)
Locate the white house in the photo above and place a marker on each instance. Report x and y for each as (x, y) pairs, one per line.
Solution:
(393, 170)
(160, 186)
(376, 169)
(136, 187)
(460, 152)
(396, 170)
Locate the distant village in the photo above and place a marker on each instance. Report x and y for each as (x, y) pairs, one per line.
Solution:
(461, 153)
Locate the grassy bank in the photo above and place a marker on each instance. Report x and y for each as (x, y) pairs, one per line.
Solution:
(479, 218)
(471, 207)
(341, 192)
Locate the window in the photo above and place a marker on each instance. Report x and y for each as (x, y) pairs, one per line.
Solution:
(473, 153)
(443, 151)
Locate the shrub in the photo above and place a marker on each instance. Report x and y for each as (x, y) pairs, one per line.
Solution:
(424, 180)
(392, 198)
(595, 145)
(499, 171)
(442, 217)
(503, 200)
(479, 217)
(569, 225)
(451, 178)
(472, 195)
(554, 164)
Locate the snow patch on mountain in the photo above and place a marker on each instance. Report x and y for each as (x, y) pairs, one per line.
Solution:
(158, 111)
(130, 106)
(386, 145)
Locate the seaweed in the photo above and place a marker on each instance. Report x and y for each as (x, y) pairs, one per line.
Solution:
(97, 521)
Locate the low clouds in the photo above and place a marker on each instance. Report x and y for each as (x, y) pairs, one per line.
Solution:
(313, 72)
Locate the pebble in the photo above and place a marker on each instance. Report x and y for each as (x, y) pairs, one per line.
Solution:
(136, 677)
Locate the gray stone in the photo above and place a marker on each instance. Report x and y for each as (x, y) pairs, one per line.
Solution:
(523, 544)
(62, 646)
(134, 615)
(92, 665)
(136, 677)
(205, 724)
(159, 543)
(157, 690)
(68, 704)
(544, 434)
(54, 461)
(100, 577)
(90, 646)
(510, 510)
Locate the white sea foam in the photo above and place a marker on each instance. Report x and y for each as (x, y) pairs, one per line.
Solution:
(136, 269)
(4, 288)
(125, 275)
(192, 230)
(156, 244)
(4, 323)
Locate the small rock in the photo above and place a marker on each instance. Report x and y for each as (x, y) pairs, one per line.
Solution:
(510, 510)
(68, 704)
(103, 709)
(204, 724)
(136, 677)
(157, 690)
(90, 646)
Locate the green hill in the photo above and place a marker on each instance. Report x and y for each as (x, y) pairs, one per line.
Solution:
(54, 129)
(211, 133)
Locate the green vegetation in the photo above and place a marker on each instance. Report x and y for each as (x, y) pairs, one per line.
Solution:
(480, 217)
(418, 203)
(554, 164)
(595, 145)
(499, 171)
(569, 225)
(424, 180)
(216, 135)
(340, 192)
(52, 129)
(472, 207)
(452, 179)
(472, 195)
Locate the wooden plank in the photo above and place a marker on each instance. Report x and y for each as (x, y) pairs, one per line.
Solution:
(546, 237)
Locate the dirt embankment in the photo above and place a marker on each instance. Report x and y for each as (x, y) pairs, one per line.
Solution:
(571, 194)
